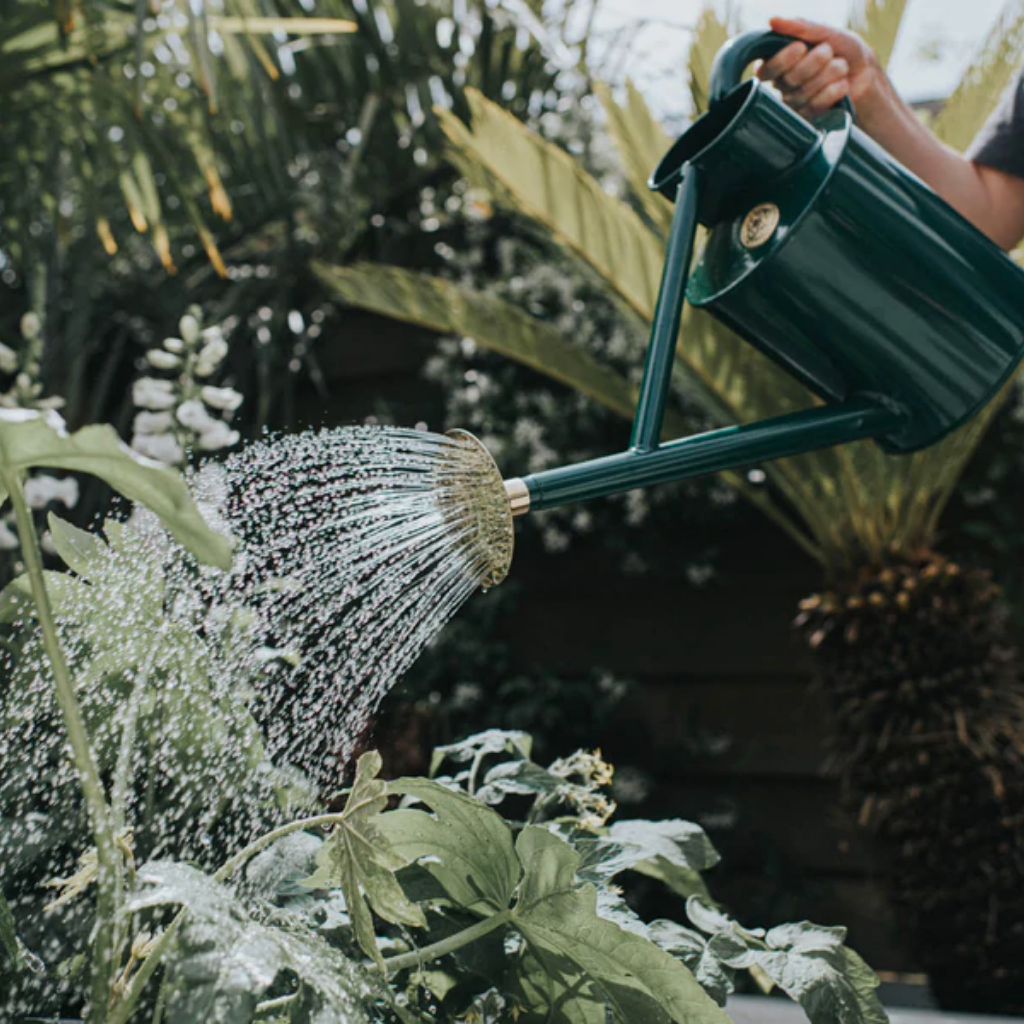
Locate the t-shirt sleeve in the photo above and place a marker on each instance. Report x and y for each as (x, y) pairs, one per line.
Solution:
(1000, 143)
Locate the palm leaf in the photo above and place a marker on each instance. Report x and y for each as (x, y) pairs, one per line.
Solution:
(984, 81)
(501, 327)
(551, 188)
(709, 36)
(447, 308)
(641, 143)
(878, 23)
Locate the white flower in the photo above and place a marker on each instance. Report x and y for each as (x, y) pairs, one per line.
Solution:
(162, 360)
(8, 359)
(221, 398)
(213, 352)
(152, 423)
(175, 345)
(8, 538)
(189, 327)
(218, 436)
(150, 393)
(41, 490)
(162, 447)
(31, 326)
(193, 414)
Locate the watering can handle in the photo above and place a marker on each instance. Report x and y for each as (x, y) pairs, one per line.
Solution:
(737, 54)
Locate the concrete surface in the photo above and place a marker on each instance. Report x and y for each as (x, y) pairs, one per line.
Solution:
(755, 1010)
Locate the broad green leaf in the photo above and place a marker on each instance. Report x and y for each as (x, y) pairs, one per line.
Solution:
(81, 550)
(17, 604)
(809, 962)
(465, 845)
(550, 187)
(29, 439)
(224, 960)
(684, 882)
(878, 23)
(359, 859)
(547, 868)
(639, 980)
(983, 83)
(556, 991)
(494, 324)
(692, 948)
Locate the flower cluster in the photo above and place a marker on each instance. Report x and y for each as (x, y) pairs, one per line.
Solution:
(21, 368)
(185, 411)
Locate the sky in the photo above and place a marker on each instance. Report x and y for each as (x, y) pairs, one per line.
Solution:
(951, 30)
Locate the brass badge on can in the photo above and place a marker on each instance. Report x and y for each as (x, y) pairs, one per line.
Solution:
(759, 225)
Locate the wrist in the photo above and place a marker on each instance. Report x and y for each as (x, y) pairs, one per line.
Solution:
(877, 104)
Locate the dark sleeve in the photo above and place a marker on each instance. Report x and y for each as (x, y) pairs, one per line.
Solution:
(1000, 143)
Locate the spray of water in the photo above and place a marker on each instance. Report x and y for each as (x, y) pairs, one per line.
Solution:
(356, 547)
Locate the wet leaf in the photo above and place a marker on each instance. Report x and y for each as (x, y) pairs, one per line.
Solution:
(224, 960)
(17, 603)
(74, 885)
(465, 845)
(562, 927)
(491, 741)
(82, 551)
(692, 948)
(809, 962)
(30, 439)
(359, 859)
(282, 868)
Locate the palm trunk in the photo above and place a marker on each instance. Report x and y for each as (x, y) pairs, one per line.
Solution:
(928, 741)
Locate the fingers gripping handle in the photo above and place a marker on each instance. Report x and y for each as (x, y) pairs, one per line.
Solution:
(736, 56)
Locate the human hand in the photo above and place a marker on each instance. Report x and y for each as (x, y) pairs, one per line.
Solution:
(823, 66)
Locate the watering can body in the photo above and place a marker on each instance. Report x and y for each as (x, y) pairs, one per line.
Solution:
(827, 255)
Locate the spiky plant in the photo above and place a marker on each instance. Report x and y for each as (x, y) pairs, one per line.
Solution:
(910, 648)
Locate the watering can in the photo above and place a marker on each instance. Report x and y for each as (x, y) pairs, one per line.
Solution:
(832, 259)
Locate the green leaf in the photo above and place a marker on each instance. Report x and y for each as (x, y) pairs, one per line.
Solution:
(468, 846)
(684, 882)
(81, 550)
(692, 948)
(808, 962)
(550, 187)
(640, 981)
(65, 593)
(493, 323)
(224, 960)
(482, 744)
(30, 439)
(8, 935)
(641, 143)
(562, 927)
(557, 992)
(709, 36)
(359, 859)
(983, 83)
(878, 23)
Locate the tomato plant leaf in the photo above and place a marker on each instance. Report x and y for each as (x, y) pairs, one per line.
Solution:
(565, 933)
(692, 948)
(81, 550)
(225, 960)
(358, 859)
(31, 439)
(468, 846)
(490, 741)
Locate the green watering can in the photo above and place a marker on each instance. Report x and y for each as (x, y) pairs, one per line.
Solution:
(833, 260)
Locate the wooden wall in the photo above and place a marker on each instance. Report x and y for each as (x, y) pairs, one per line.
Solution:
(724, 722)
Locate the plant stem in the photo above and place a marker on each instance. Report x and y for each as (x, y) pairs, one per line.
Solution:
(231, 866)
(275, 1004)
(81, 752)
(449, 945)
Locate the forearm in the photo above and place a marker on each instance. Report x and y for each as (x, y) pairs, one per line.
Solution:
(894, 126)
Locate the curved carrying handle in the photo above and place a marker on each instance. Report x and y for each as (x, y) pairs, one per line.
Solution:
(737, 54)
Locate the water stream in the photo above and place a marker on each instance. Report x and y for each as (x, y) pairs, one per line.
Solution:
(357, 546)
